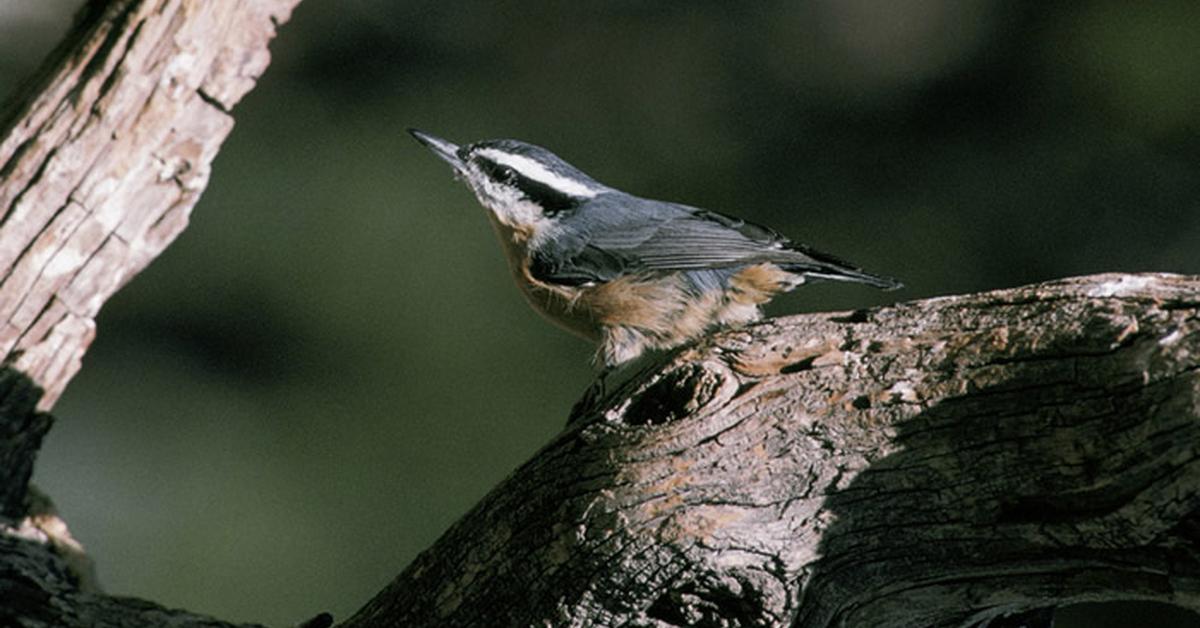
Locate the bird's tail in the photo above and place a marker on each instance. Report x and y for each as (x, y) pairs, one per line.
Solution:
(855, 275)
(820, 265)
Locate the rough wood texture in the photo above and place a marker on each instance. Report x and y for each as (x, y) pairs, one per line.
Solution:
(945, 462)
(99, 169)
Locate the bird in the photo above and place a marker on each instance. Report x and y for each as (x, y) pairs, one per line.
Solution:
(632, 274)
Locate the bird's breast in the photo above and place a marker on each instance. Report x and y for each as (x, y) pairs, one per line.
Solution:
(657, 310)
(559, 304)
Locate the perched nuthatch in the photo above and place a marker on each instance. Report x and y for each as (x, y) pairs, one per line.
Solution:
(628, 272)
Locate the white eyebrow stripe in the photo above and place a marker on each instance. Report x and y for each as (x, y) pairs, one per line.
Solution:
(536, 171)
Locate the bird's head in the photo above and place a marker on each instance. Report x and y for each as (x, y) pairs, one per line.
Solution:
(526, 188)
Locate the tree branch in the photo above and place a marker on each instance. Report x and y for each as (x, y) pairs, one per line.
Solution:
(945, 462)
(100, 166)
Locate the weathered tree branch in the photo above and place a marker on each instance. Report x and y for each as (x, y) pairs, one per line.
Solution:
(100, 166)
(939, 463)
(99, 171)
(944, 462)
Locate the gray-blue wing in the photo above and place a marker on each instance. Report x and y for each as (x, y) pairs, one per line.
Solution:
(665, 237)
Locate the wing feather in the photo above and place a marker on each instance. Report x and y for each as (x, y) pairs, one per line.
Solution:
(608, 242)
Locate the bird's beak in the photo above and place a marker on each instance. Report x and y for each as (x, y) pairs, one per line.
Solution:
(446, 151)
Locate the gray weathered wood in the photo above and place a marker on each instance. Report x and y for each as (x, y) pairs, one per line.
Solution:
(100, 165)
(100, 168)
(944, 462)
(938, 463)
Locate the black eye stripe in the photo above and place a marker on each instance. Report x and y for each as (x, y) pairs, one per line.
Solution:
(497, 171)
(551, 200)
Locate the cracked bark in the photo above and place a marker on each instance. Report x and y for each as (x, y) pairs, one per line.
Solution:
(100, 165)
(960, 461)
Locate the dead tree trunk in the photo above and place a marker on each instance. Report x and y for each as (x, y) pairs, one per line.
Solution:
(941, 463)
(100, 166)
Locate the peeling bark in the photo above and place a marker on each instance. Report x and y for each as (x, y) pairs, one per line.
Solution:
(100, 169)
(946, 462)
(958, 461)
(100, 166)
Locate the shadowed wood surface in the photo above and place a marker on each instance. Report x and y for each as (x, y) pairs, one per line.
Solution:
(945, 462)
(100, 165)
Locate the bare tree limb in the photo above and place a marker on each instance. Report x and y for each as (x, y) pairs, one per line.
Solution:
(101, 169)
(945, 462)
(959, 461)
(100, 166)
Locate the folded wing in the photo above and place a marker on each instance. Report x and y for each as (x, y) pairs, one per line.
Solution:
(665, 237)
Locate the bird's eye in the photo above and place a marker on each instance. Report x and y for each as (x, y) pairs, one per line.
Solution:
(499, 172)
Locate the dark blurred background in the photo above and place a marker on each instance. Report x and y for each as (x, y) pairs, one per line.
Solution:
(330, 366)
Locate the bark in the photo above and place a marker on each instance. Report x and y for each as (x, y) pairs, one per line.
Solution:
(100, 165)
(956, 461)
(947, 462)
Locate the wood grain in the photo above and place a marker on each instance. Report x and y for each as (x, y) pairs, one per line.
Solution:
(102, 165)
(945, 462)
